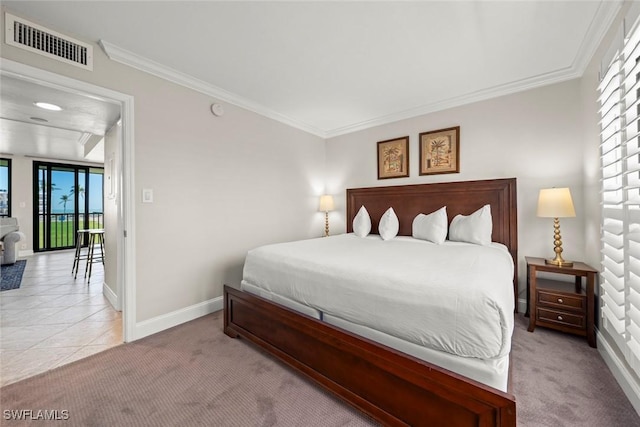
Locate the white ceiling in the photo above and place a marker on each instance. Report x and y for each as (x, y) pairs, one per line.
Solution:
(75, 133)
(335, 67)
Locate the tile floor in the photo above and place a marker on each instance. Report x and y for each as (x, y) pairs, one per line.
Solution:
(52, 319)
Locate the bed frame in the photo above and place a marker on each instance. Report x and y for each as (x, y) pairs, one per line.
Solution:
(390, 386)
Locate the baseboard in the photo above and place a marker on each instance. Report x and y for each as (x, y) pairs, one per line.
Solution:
(620, 371)
(522, 306)
(111, 297)
(25, 252)
(175, 318)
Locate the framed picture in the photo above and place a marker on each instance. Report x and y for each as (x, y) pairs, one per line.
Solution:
(393, 158)
(440, 151)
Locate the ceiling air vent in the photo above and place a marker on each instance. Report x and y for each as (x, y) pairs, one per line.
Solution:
(35, 38)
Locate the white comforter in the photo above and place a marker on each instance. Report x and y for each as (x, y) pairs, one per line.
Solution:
(455, 297)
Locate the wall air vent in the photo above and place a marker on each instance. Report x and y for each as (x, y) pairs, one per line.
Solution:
(35, 38)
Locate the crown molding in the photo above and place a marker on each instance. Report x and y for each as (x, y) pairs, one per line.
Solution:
(602, 21)
(141, 63)
(131, 59)
(600, 25)
(469, 98)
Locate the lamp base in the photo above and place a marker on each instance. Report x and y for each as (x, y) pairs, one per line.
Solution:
(326, 224)
(559, 263)
(557, 243)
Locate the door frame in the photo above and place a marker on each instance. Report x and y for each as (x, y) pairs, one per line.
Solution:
(126, 243)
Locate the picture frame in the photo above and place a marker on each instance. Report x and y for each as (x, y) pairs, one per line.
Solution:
(393, 158)
(440, 151)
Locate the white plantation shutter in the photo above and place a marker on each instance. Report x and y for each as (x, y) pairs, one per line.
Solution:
(632, 352)
(612, 276)
(620, 163)
(631, 181)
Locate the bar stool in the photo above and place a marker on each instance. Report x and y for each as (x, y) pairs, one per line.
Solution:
(79, 242)
(99, 232)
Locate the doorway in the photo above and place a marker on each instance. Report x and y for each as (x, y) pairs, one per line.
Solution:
(124, 199)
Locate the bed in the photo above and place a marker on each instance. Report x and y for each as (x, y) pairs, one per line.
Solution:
(377, 363)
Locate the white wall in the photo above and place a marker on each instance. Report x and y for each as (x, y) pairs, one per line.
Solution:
(22, 199)
(221, 185)
(534, 136)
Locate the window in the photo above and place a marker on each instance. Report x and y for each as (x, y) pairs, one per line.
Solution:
(66, 198)
(619, 96)
(5, 187)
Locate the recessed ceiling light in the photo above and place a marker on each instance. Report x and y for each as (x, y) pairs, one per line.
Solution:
(38, 119)
(47, 106)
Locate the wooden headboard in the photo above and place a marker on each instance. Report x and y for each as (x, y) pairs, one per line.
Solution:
(463, 197)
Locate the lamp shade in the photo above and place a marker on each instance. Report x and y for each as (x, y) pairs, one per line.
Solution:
(326, 203)
(555, 203)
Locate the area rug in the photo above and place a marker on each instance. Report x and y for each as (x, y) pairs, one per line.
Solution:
(11, 275)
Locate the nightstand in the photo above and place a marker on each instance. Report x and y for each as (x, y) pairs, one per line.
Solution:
(565, 306)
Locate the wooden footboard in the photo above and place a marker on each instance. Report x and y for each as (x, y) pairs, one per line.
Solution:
(392, 387)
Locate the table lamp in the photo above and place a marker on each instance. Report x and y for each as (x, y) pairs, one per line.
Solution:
(326, 205)
(556, 203)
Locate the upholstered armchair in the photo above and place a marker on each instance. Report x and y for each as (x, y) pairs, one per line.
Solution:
(10, 236)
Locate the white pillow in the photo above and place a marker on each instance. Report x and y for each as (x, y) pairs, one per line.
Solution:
(362, 223)
(389, 225)
(432, 227)
(474, 228)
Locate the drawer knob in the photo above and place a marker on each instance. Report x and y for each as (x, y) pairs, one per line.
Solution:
(560, 301)
(560, 318)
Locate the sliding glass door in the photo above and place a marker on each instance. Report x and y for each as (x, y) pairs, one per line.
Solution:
(5, 187)
(66, 198)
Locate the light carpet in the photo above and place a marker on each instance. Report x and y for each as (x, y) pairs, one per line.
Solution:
(193, 375)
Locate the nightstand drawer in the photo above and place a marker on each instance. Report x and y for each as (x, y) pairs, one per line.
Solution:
(561, 318)
(561, 301)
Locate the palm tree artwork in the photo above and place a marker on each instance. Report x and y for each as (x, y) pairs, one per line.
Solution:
(393, 159)
(440, 152)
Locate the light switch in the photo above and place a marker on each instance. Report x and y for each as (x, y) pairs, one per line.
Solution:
(147, 195)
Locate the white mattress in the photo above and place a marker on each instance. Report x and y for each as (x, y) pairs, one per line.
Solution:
(455, 297)
(494, 372)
